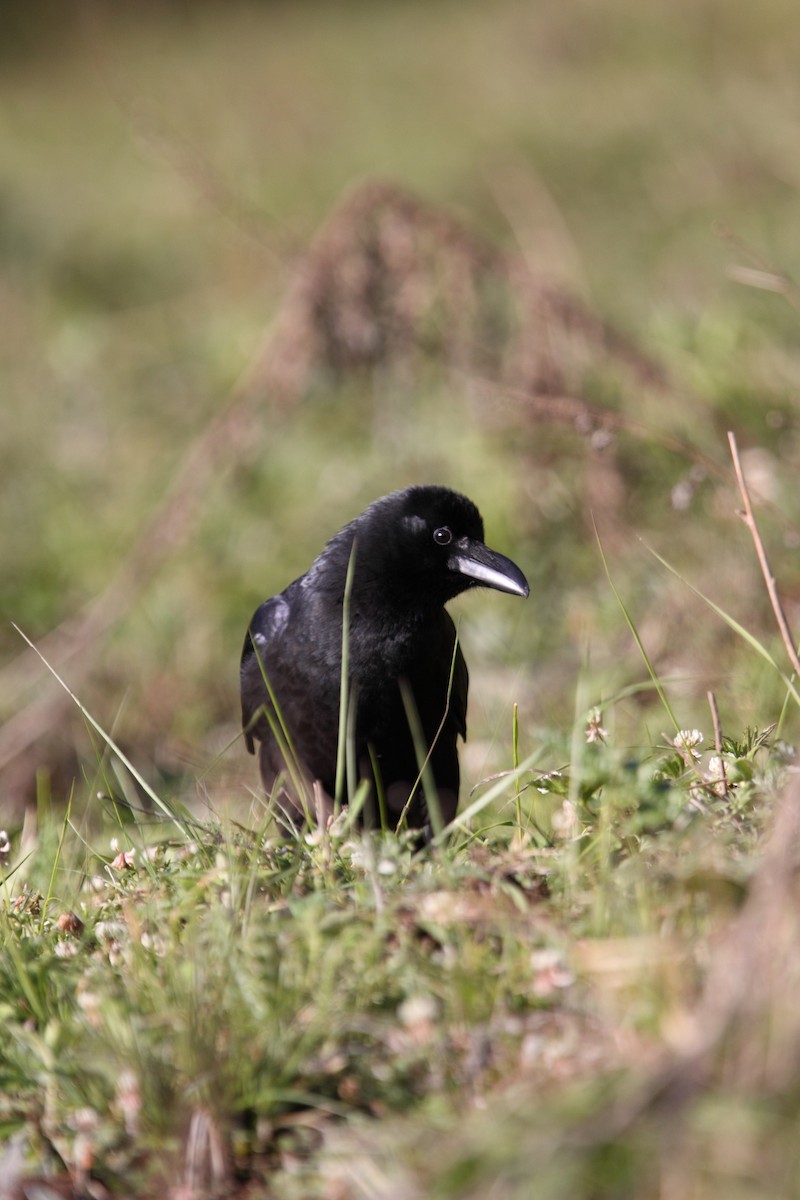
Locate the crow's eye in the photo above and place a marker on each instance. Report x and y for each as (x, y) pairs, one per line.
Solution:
(443, 536)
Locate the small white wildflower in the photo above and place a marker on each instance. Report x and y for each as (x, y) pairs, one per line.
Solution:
(65, 949)
(681, 495)
(545, 778)
(110, 931)
(129, 1100)
(416, 1010)
(386, 867)
(565, 821)
(124, 861)
(716, 775)
(417, 1016)
(337, 826)
(550, 972)
(154, 942)
(437, 907)
(358, 858)
(686, 743)
(594, 726)
(90, 1004)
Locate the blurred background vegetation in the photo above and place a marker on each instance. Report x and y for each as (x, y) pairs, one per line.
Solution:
(164, 168)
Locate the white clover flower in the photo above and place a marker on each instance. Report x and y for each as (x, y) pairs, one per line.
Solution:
(417, 1010)
(337, 825)
(686, 742)
(594, 728)
(124, 860)
(716, 775)
(359, 857)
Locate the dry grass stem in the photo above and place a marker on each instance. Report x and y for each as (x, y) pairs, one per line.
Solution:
(766, 571)
(712, 703)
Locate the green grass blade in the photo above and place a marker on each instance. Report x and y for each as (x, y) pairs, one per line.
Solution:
(56, 860)
(461, 819)
(168, 810)
(662, 695)
(425, 777)
(733, 624)
(344, 687)
(515, 763)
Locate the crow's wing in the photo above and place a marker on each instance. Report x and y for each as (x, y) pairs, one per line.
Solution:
(458, 693)
(459, 682)
(267, 625)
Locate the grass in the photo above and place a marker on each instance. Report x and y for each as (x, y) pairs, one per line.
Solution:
(545, 999)
(227, 1008)
(274, 995)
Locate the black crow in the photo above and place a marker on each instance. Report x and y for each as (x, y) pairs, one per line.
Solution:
(410, 552)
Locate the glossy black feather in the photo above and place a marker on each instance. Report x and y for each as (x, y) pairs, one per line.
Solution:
(412, 552)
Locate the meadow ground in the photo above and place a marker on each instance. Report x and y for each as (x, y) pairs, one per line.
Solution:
(587, 985)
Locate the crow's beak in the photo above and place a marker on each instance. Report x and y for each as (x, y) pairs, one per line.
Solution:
(487, 567)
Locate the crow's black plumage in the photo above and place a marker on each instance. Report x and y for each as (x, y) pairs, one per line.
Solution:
(412, 551)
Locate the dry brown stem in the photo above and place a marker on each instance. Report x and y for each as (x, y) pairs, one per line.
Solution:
(769, 579)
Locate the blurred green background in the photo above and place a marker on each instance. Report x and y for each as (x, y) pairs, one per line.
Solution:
(163, 168)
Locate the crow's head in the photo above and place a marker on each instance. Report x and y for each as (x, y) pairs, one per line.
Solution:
(424, 545)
